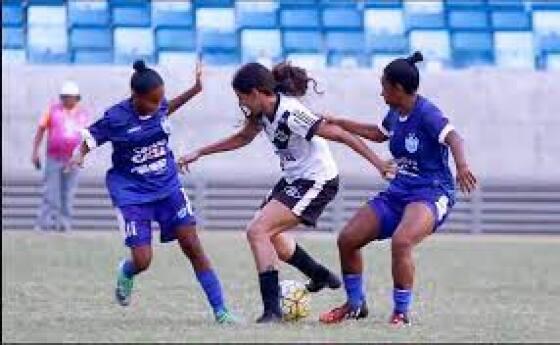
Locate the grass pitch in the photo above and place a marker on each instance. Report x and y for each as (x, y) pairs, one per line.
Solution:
(59, 287)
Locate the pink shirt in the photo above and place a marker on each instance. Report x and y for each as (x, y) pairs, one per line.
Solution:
(63, 129)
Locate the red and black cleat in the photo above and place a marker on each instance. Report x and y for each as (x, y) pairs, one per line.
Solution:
(399, 319)
(344, 312)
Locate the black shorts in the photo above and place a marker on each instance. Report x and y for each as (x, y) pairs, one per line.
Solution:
(306, 198)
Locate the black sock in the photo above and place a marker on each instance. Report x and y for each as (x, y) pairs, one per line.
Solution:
(305, 263)
(270, 291)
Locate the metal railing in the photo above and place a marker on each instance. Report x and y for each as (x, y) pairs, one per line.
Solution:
(220, 205)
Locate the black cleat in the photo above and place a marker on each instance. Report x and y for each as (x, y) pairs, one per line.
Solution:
(344, 312)
(330, 280)
(270, 317)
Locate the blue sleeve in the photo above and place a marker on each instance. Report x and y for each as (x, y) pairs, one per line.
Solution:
(436, 125)
(98, 133)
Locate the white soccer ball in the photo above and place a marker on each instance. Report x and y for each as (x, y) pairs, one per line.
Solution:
(294, 299)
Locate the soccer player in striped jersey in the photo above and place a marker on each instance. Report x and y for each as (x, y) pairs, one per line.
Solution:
(144, 185)
(310, 175)
(417, 200)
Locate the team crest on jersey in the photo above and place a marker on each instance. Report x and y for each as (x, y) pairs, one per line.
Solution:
(292, 191)
(166, 125)
(281, 136)
(411, 143)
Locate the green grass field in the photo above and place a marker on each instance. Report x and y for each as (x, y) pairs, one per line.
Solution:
(59, 287)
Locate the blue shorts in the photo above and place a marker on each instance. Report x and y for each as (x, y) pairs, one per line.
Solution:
(389, 207)
(171, 212)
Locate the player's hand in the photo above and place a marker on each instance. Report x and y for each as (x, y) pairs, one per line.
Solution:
(465, 179)
(198, 76)
(187, 159)
(388, 169)
(36, 161)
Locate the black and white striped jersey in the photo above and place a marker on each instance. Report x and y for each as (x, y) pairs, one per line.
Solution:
(301, 153)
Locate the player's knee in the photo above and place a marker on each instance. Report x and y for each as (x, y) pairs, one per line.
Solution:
(401, 245)
(345, 241)
(256, 231)
(142, 263)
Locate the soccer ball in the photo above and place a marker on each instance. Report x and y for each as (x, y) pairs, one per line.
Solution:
(294, 299)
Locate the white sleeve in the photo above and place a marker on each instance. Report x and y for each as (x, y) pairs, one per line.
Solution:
(303, 122)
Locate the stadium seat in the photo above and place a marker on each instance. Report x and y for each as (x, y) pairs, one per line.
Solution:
(44, 2)
(214, 41)
(507, 4)
(12, 14)
(256, 15)
(133, 3)
(260, 43)
(387, 44)
(133, 43)
(299, 18)
(13, 38)
(88, 13)
(514, 49)
(471, 48)
(337, 3)
(510, 20)
(215, 19)
(298, 3)
(89, 56)
(46, 15)
(424, 15)
(213, 3)
(434, 44)
(553, 62)
(545, 5)
(175, 39)
(546, 22)
(131, 15)
(464, 4)
(548, 43)
(91, 38)
(345, 41)
(13, 56)
(53, 39)
(220, 58)
(171, 13)
(308, 61)
(384, 21)
(341, 18)
(468, 19)
(302, 41)
(383, 3)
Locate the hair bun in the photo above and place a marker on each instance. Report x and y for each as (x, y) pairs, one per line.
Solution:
(139, 66)
(414, 58)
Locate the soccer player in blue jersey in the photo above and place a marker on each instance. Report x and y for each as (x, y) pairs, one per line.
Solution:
(417, 200)
(144, 185)
(309, 173)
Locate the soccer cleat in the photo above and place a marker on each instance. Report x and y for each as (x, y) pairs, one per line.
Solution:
(270, 317)
(330, 280)
(344, 312)
(124, 287)
(225, 317)
(399, 319)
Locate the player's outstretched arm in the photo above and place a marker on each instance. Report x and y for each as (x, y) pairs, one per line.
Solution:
(183, 98)
(364, 130)
(336, 133)
(465, 178)
(246, 135)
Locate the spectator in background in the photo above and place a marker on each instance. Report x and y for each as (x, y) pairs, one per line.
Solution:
(62, 121)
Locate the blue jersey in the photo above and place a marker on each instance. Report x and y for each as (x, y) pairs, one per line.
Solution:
(417, 145)
(143, 168)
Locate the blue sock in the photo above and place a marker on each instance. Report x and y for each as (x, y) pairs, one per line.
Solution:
(354, 289)
(211, 286)
(128, 269)
(402, 299)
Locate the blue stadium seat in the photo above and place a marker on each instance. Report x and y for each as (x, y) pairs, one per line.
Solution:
(131, 15)
(220, 19)
(468, 19)
(213, 3)
(172, 14)
(514, 49)
(510, 20)
(50, 39)
(424, 15)
(133, 43)
(546, 22)
(387, 44)
(44, 2)
(552, 62)
(88, 13)
(90, 57)
(434, 44)
(256, 15)
(472, 48)
(91, 38)
(507, 4)
(464, 4)
(383, 3)
(545, 5)
(256, 43)
(175, 39)
(46, 15)
(341, 18)
(133, 3)
(345, 41)
(298, 3)
(216, 58)
(299, 18)
(218, 42)
(337, 3)
(385, 21)
(548, 44)
(12, 14)
(302, 41)
(13, 38)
